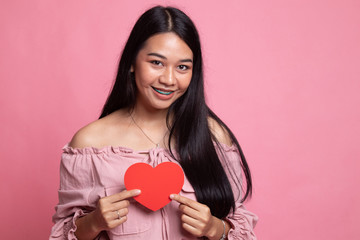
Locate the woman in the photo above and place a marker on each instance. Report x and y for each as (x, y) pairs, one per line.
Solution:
(157, 103)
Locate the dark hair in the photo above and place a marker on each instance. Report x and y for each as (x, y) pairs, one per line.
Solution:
(189, 127)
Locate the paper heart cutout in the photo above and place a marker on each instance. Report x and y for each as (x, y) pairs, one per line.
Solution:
(156, 184)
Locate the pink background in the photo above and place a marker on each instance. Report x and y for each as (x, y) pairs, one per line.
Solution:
(283, 74)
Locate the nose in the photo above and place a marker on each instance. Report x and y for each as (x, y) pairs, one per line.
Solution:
(168, 77)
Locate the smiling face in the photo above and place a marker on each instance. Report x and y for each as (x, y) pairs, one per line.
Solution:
(163, 70)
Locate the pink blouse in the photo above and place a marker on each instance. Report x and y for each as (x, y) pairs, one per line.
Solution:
(88, 174)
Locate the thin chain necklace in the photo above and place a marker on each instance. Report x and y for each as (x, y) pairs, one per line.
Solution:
(156, 144)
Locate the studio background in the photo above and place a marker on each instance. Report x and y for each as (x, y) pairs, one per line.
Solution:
(284, 75)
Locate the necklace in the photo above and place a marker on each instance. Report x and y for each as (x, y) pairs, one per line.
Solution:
(156, 144)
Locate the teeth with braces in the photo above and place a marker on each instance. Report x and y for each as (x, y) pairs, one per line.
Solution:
(162, 92)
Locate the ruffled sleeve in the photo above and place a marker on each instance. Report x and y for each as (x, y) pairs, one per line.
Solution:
(76, 184)
(242, 221)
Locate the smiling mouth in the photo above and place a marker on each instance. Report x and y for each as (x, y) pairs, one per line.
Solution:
(163, 92)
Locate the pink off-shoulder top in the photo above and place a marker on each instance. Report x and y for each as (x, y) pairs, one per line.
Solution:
(88, 174)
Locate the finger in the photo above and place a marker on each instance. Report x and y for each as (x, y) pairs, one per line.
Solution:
(122, 195)
(191, 229)
(118, 214)
(118, 205)
(117, 222)
(191, 212)
(189, 220)
(187, 202)
(183, 200)
(123, 219)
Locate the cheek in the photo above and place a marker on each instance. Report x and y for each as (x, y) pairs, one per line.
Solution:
(185, 82)
(144, 76)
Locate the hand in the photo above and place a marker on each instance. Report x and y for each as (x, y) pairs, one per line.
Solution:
(112, 210)
(197, 219)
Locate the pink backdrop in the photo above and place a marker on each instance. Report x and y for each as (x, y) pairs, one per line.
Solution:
(283, 74)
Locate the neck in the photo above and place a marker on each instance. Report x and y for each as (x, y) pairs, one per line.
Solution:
(152, 124)
(149, 118)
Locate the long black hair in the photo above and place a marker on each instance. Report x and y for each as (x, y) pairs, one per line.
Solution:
(189, 127)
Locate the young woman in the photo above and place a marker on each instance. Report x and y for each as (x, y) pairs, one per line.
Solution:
(157, 103)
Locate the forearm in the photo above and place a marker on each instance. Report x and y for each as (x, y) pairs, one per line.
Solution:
(218, 229)
(85, 228)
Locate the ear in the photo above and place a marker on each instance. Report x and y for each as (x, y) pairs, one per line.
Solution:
(132, 68)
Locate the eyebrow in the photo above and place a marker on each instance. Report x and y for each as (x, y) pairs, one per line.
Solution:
(163, 57)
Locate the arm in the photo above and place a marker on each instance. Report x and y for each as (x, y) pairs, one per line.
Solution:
(197, 219)
(75, 188)
(241, 220)
(242, 224)
(75, 216)
(111, 211)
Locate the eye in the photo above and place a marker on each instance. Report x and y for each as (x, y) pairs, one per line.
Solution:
(156, 62)
(183, 67)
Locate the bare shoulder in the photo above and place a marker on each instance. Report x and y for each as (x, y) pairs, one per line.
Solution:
(95, 134)
(87, 136)
(219, 132)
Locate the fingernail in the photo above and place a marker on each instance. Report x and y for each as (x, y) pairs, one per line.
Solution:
(138, 191)
(171, 196)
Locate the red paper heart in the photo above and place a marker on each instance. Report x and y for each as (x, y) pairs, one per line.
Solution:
(156, 184)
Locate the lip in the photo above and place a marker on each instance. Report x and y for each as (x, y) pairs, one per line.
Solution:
(163, 94)
(163, 91)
